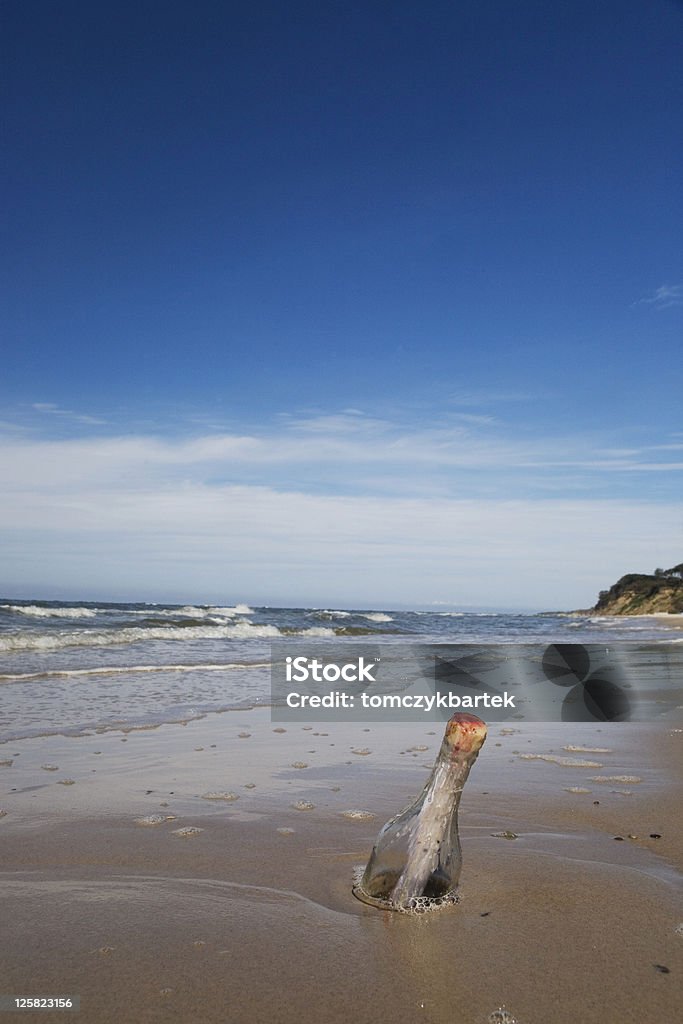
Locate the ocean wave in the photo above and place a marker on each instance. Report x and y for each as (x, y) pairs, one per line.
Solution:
(190, 611)
(376, 616)
(133, 634)
(37, 611)
(113, 670)
(310, 631)
(326, 613)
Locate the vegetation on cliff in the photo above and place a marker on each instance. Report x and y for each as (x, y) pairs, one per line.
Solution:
(641, 594)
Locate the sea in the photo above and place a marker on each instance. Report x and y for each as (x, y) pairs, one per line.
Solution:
(82, 667)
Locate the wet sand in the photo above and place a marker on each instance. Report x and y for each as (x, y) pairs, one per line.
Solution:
(252, 918)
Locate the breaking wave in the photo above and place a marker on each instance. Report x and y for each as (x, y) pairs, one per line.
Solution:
(40, 612)
(131, 635)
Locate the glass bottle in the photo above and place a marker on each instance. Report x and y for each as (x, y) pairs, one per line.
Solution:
(417, 856)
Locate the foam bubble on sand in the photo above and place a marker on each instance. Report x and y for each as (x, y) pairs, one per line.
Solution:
(587, 750)
(358, 815)
(615, 778)
(187, 831)
(303, 805)
(564, 762)
(250, 785)
(362, 751)
(50, 767)
(8, 763)
(229, 797)
(66, 782)
(576, 789)
(279, 729)
(243, 735)
(501, 1016)
(3, 814)
(299, 764)
(420, 748)
(285, 831)
(155, 819)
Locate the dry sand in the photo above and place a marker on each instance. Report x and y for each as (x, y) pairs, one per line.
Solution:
(252, 919)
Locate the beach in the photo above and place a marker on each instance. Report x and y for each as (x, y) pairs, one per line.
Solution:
(251, 916)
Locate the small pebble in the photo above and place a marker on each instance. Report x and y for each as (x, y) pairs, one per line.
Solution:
(299, 764)
(243, 735)
(66, 782)
(655, 835)
(505, 835)
(662, 969)
(50, 767)
(279, 730)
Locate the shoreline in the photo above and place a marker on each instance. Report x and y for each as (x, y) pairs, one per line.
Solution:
(255, 912)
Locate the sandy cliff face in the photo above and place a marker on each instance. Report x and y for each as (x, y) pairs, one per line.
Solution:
(638, 594)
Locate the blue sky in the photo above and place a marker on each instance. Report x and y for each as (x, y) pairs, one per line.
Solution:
(316, 303)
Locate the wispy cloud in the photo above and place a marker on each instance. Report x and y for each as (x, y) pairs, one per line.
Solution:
(342, 506)
(52, 409)
(665, 296)
(339, 453)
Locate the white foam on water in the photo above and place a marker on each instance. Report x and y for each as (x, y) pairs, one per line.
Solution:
(564, 762)
(38, 612)
(330, 613)
(376, 617)
(587, 750)
(615, 778)
(108, 637)
(155, 819)
(112, 670)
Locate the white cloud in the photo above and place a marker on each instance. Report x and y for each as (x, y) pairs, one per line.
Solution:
(665, 296)
(52, 409)
(382, 517)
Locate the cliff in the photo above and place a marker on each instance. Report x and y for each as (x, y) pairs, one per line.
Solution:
(639, 594)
